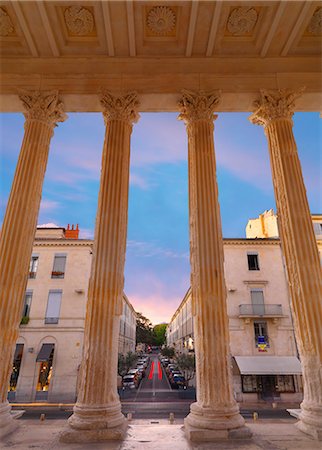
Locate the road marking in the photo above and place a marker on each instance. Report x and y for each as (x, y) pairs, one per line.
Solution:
(159, 371)
(151, 371)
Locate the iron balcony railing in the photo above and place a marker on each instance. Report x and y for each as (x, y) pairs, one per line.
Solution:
(260, 310)
(51, 319)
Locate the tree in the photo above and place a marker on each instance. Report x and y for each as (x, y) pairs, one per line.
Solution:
(167, 352)
(144, 330)
(125, 362)
(159, 333)
(187, 365)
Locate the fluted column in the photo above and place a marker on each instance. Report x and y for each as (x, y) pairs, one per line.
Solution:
(42, 112)
(97, 413)
(216, 413)
(274, 111)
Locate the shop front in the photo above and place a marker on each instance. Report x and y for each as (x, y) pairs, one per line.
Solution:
(269, 378)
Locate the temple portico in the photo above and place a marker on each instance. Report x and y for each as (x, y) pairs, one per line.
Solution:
(245, 58)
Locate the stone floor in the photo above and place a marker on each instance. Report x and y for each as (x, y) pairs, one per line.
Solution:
(267, 435)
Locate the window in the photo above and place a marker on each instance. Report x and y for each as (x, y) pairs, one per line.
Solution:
(252, 259)
(249, 383)
(27, 305)
(261, 333)
(59, 266)
(257, 298)
(285, 383)
(46, 367)
(53, 306)
(33, 266)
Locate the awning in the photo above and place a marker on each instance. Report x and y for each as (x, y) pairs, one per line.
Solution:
(45, 352)
(268, 365)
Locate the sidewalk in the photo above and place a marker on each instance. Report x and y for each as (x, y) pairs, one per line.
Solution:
(142, 435)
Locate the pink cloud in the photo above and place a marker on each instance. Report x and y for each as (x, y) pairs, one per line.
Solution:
(155, 307)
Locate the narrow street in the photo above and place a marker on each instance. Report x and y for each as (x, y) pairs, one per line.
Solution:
(154, 399)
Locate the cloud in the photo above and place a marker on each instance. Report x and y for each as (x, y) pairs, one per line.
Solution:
(155, 307)
(149, 249)
(139, 181)
(48, 205)
(249, 167)
(48, 225)
(86, 233)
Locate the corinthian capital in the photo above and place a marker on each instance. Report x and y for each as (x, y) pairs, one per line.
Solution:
(43, 106)
(196, 106)
(120, 107)
(274, 104)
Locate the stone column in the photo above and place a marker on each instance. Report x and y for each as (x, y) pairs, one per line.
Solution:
(97, 413)
(43, 111)
(216, 413)
(274, 111)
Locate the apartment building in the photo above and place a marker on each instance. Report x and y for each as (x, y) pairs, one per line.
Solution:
(49, 348)
(265, 362)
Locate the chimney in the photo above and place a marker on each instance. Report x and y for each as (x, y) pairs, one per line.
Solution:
(71, 233)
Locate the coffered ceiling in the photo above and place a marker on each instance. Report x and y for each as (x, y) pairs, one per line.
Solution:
(158, 47)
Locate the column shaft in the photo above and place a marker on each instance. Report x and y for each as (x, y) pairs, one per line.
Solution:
(97, 413)
(19, 225)
(215, 409)
(299, 248)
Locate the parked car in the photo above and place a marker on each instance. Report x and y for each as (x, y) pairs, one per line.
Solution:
(178, 382)
(169, 367)
(130, 382)
(165, 362)
(141, 370)
(136, 373)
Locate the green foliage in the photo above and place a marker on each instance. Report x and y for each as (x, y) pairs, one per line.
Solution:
(125, 362)
(167, 352)
(159, 333)
(187, 365)
(24, 320)
(144, 330)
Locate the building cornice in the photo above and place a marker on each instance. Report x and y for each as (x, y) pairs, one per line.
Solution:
(43, 242)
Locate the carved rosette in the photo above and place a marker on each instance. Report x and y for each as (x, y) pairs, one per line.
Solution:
(196, 106)
(79, 20)
(43, 106)
(161, 20)
(6, 26)
(123, 108)
(315, 25)
(242, 20)
(274, 104)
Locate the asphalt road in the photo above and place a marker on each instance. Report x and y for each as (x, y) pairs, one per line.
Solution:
(154, 399)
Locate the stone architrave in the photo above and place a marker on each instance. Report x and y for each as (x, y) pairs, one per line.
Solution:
(42, 112)
(274, 111)
(97, 413)
(216, 413)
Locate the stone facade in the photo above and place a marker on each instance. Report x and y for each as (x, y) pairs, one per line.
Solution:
(244, 287)
(66, 331)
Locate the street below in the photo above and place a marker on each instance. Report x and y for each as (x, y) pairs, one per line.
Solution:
(154, 399)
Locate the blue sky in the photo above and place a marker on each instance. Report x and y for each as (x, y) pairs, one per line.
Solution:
(157, 263)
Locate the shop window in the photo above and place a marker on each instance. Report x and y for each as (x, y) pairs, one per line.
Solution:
(261, 333)
(33, 266)
(16, 367)
(59, 266)
(53, 306)
(249, 383)
(285, 383)
(45, 357)
(253, 263)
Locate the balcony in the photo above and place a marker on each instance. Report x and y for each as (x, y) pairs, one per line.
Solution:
(51, 320)
(260, 310)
